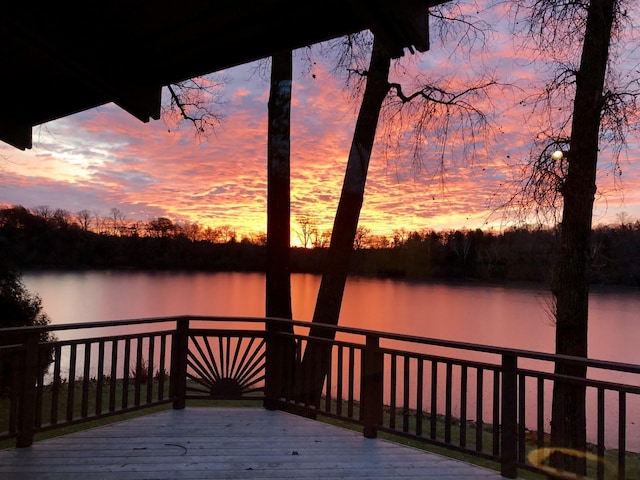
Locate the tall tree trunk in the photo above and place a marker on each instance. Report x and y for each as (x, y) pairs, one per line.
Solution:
(278, 278)
(571, 282)
(315, 363)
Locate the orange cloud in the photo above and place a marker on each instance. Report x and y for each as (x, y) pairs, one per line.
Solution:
(104, 158)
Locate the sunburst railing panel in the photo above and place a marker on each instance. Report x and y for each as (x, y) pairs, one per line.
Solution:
(226, 364)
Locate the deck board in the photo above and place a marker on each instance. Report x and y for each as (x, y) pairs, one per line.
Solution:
(226, 443)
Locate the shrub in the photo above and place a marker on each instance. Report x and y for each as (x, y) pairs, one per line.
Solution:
(19, 308)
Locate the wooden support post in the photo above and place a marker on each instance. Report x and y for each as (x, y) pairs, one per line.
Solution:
(179, 350)
(509, 427)
(274, 367)
(371, 387)
(28, 365)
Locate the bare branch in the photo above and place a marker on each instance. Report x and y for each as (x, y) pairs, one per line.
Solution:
(195, 101)
(553, 29)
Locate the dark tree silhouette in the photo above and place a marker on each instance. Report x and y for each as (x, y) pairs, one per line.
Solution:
(278, 282)
(334, 277)
(278, 279)
(433, 101)
(600, 114)
(571, 282)
(18, 308)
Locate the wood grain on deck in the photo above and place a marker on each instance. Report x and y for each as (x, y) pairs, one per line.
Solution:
(226, 443)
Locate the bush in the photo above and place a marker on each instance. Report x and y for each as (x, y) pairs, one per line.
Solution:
(19, 308)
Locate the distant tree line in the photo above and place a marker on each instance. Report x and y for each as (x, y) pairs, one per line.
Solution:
(33, 239)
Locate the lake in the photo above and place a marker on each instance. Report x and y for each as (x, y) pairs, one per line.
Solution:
(512, 317)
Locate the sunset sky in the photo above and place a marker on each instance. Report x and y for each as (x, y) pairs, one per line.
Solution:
(104, 158)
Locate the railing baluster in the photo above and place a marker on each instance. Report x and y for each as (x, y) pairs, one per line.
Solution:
(521, 417)
(100, 378)
(540, 414)
(419, 398)
(351, 381)
(328, 395)
(39, 392)
(317, 374)
(57, 381)
(406, 413)
(463, 406)
(622, 435)
(150, 367)
(496, 414)
(600, 442)
(393, 391)
(340, 380)
(113, 382)
(328, 376)
(125, 376)
(16, 385)
(479, 408)
(71, 384)
(86, 379)
(434, 400)
(448, 397)
(161, 365)
(138, 370)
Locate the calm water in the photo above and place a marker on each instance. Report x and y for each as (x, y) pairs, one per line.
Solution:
(499, 316)
(507, 317)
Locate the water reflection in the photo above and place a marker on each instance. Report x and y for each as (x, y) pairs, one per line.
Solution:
(500, 316)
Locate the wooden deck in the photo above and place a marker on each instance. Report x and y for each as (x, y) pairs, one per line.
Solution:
(226, 443)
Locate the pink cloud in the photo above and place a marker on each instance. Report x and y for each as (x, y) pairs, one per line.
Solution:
(105, 158)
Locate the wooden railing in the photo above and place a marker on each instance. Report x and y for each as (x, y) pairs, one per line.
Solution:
(490, 402)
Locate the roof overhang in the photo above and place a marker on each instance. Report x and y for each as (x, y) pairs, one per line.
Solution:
(61, 58)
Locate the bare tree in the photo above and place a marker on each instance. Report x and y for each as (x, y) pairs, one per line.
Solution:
(320, 239)
(378, 241)
(362, 234)
(101, 223)
(117, 221)
(308, 229)
(191, 230)
(62, 217)
(400, 237)
(600, 113)
(44, 211)
(84, 218)
(334, 277)
(255, 238)
(436, 101)
(223, 234)
(162, 227)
